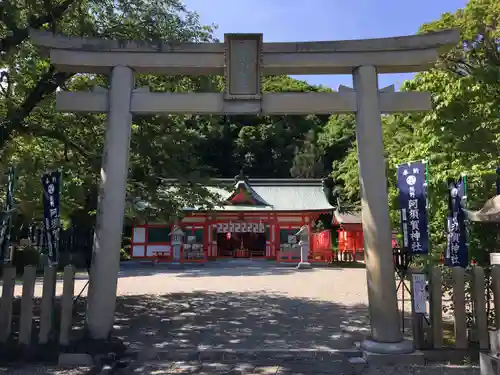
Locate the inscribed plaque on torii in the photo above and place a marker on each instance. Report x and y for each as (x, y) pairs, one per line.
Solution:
(243, 66)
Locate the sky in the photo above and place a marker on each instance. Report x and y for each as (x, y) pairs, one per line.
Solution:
(316, 20)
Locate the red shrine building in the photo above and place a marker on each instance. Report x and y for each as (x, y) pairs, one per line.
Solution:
(255, 218)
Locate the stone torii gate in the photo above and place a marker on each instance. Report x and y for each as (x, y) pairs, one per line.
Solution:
(243, 59)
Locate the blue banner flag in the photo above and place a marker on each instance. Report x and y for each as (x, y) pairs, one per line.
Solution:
(412, 187)
(456, 249)
(6, 219)
(51, 183)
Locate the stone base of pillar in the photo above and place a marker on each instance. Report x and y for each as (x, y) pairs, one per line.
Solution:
(402, 347)
(391, 353)
(304, 265)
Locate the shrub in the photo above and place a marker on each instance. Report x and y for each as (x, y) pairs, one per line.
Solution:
(125, 253)
(25, 256)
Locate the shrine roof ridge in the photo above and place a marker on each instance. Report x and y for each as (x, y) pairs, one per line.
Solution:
(257, 181)
(438, 39)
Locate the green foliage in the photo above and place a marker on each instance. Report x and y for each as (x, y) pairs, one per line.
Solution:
(265, 146)
(125, 254)
(308, 159)
(35, 138)
(460, 135)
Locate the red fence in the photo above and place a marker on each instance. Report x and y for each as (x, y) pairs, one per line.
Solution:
(350, 241)
(321, 247)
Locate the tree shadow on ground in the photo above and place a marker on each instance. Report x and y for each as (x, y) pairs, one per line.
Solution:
(204, 320)
(238, 321)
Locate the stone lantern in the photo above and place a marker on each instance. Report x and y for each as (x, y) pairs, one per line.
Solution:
(489, 214)
(303, 235)
(176, 240)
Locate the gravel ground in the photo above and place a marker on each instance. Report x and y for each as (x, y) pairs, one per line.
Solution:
(296, 368)
(234, 305)
(44, 370)
(319, 283)
(423, 370)
(164, 368)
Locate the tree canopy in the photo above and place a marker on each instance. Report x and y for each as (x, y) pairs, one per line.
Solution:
(460, 135)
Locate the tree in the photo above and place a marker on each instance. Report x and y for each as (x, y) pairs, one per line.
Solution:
(460, 134)
(36, 138)
(336, 140)
(264, 145)
(308, 159)
(17, 18)
(188, 148)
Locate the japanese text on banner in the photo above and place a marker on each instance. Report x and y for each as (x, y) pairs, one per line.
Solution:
(413, 202)
(456, 249)
(6, 220)
(51, 183)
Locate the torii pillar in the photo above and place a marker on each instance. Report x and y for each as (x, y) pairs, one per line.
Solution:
(386, 334)
(113, 186)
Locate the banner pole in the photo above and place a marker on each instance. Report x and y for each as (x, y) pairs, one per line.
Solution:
(12, 186)
(426, 171)
(498, 181)
(59, 230)
(429, 244)
(464, 201)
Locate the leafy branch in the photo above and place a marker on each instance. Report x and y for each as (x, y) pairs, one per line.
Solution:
(17, 35)
(47, 84)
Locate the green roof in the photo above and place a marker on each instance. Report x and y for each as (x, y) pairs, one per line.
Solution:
(273, 194)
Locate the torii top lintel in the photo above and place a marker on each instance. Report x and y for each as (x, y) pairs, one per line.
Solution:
(389, 55)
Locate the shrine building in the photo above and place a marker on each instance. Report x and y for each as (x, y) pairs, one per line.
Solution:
(254, 218)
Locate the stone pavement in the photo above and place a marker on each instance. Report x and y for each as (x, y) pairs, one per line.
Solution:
(305, 367)
(226, 306)
(244, 321)
(241, 368)
(258, 361)
(44, 370)
(241, 318)
(297, 367)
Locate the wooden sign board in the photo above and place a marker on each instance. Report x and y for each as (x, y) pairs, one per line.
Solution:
(241, 227)
(419, 293)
